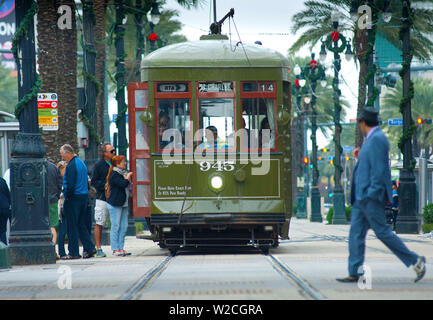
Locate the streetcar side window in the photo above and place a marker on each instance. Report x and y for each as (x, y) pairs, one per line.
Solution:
(258, 116)
(173, 114)
(258, 103)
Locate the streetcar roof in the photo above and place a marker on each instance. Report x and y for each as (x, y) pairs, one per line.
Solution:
(214, 53)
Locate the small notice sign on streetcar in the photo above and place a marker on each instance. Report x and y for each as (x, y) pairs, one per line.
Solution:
(48, 115)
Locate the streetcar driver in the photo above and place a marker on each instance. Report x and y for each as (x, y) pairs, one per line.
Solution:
(212, 141)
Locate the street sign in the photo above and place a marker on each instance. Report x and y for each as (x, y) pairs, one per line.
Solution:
(347, 149)
(395, 122)
(48, 116)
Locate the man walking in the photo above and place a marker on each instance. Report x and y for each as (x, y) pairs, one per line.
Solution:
(76, 193)
(371, 188)
(99, 178)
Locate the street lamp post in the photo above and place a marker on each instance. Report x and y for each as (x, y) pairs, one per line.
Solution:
(313, 72)
(332, 44)
(407, 220)
(30, 237)
(301, 212)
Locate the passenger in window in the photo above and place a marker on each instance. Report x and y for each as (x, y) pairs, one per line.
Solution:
(246, 134)
(212, 140)
(263, 125)
(164, 123)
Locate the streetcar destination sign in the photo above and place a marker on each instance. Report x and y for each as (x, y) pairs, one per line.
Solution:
(215, 87)
(172, 87)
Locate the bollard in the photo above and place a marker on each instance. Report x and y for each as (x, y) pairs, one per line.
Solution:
(4, 256)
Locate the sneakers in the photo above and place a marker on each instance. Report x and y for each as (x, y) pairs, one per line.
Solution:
(121, 253)
(100, 254)
(419, 268)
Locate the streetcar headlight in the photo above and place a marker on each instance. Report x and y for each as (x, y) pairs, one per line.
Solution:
(216, 183)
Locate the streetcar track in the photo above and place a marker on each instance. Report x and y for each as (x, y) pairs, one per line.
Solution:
(286, 272)
(153, 273)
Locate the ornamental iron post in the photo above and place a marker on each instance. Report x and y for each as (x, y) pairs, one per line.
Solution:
(407, 220)
(313, 72)
(120, 78)
(30, 237)
(90, 87)
(301, 210)
(332, 44)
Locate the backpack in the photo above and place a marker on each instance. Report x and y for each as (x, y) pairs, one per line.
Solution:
(107, 191)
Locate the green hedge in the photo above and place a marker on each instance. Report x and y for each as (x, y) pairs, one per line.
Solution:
(348, 212)
(428, 214)
(427, 228)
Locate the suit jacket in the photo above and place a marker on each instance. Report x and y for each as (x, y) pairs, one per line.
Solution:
(372, 176)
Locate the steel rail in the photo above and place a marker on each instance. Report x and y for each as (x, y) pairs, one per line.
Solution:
(153, 273)
(285, 271)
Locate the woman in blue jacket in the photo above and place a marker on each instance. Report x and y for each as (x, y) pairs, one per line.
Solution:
(118, 179)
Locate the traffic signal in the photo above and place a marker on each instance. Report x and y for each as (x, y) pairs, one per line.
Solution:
(320, 158)
(420, 121)
(325, 150)
(306, 160)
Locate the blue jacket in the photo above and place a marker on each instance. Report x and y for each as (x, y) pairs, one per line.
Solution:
(75, 181)
(372, 176)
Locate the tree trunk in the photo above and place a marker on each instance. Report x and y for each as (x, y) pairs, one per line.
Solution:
(100, 7)
(57, 61)
(361, 45)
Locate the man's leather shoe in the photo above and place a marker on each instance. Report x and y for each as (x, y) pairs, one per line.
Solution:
(348, 279)
(90, 254)
(419, 268)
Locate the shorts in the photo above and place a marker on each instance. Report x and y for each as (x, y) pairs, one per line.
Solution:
(54, 215)
(101, 212)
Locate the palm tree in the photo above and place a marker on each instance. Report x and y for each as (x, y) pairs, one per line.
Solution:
(57, 60)
(422, 106)
(317, 19)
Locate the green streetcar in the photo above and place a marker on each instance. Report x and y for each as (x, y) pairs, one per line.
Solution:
(210, 146)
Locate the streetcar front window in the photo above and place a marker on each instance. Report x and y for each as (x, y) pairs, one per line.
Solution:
(173, 114)
(216, 118)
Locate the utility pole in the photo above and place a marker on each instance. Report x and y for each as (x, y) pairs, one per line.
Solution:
(30, 236)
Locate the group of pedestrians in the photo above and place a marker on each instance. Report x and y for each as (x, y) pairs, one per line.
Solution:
(108, 173)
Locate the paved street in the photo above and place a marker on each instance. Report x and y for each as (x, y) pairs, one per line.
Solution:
(315, 255)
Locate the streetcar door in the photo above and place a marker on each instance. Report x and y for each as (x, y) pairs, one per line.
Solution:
(139, 149)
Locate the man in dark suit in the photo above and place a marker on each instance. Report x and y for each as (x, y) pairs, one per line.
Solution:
(371, 190)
